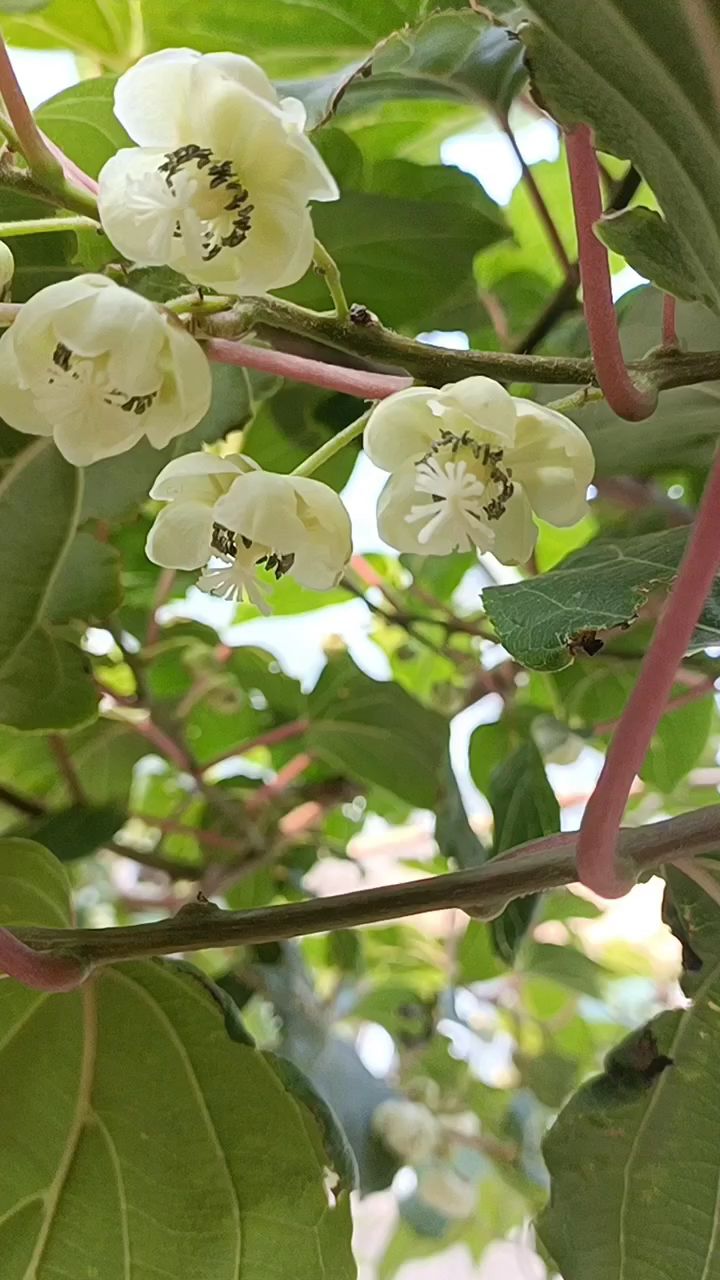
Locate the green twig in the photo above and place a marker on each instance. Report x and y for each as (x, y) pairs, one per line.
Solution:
(36, 226)
(327, 267)
(328, 450)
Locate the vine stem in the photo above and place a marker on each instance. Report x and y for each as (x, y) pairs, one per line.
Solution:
(569, 268)
(328, 450)
(624, 397)
(601, 821)
(332, 377)
(40, 158)
(485, 891)
(272, 738)
(327, 267)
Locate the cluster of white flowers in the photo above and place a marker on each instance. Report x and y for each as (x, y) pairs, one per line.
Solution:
(218, 188)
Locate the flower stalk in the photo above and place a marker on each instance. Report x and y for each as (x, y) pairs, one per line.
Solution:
(326, 266)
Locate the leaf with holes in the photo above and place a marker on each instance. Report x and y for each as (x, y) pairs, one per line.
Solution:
(599, 588)
(641, 81)
(454, 57)
(142, 1094)
(634, 1157)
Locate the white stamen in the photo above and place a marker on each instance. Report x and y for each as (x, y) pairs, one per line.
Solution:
(235, 581)
(456, 493)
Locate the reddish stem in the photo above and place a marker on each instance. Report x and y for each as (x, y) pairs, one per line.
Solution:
(624, 397)
(163, 591)
(71, 170)
(284, 779)
(333, 377)
(669, 321)
(283, 733)
(34, 148)
(601, 821)
(39, 970)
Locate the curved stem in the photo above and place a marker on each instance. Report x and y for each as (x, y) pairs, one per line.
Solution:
(327, 267)
(41, 971)
(601, 821)
(35, 226)
(328, 450)
(333, 377)
(624, 397)
(569, 269)
(39, 157)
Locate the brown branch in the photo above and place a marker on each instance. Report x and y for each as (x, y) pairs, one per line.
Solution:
(568, 268)
(544, 864)
(28, 805)
(67, 769)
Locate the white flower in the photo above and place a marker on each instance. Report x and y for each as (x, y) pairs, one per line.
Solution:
(443, 1189)
(258, 524)
(219, 186)
(470, 464)
(7, 270)
(98, 367)
(407, 1128)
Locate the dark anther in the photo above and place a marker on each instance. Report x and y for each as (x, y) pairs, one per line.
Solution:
(175, 160)
(138, 404)
(62, 356)
(223, 540)
(361, 315)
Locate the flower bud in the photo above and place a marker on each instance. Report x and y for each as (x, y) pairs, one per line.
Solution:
(407, 1128)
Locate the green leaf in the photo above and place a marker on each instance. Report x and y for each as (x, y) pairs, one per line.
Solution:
(43, 678)
(654, 249)
(453, 833)
(489, 744)
(77, 832)
(100, 30)
(642, 1139)
(524, 806)
(565, 965)
(643, 87)
(315, 34)
(598, 588)
(377, 732)
(87, 585)
(454, 57)
(296, 422)
(678, 744)
(405, 240)
(81, 121)
(150, 1138)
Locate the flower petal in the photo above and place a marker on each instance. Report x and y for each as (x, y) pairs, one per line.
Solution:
(322, 554)
(263, 507)
(401, 428)
(481, 407)
(139, 212)
(200, 476)
(515, 531)
(152, 99)
(186, 391)
(17, 403)
(554, 462)
(180, 536)
(400, 499)
(86, 439)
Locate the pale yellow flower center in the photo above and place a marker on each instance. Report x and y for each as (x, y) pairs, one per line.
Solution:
(212, 188)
